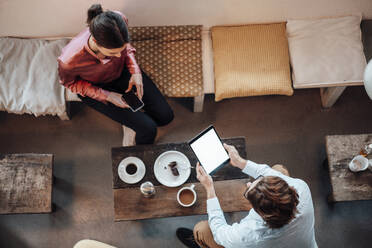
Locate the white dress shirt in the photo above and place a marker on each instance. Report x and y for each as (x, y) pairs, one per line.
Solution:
(252, 231)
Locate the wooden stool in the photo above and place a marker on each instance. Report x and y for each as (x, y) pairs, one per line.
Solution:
(26, 183)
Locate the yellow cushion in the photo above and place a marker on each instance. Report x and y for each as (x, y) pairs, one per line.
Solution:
(251, 60)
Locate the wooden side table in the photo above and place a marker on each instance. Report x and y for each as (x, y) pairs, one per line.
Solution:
(26, 183)
(347, 185)
(131, 205)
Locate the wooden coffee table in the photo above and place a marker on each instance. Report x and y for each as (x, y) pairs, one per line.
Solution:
(347, 185)
(129, 203)
(26, 183)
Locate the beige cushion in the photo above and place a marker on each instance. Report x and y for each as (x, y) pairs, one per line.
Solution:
(89, 243)
(251, 60)
(326, 52)
(171, 56)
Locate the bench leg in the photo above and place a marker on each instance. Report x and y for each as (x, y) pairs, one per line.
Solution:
(198, 103)
(66, 116)
(330, 95)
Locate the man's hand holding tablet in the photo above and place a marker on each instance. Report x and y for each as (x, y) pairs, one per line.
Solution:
(235, 158)
(209, 150)
(206, 180)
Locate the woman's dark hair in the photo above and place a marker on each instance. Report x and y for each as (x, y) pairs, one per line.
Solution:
(274, 200)
(108, 28)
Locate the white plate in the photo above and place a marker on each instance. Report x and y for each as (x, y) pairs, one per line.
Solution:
(164, 174)
(136, 177)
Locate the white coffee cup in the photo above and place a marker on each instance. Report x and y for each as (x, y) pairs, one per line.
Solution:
(358, 163)
(131, 169)
(188, 198)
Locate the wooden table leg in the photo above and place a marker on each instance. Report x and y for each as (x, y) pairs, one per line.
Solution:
(325, 164)
(330, 198)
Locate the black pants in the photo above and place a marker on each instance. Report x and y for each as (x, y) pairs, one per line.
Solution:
(156, 111)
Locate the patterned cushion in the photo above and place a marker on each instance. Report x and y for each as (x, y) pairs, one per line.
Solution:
(171, 57)
(251, 60)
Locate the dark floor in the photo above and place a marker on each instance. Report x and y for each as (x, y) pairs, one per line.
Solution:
(278, 129)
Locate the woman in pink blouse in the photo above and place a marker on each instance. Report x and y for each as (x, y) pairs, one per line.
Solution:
(99, 65)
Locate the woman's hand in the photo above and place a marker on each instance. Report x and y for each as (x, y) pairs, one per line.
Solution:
(235, 158)
(136, 80)
(205, 180)
(115, 98)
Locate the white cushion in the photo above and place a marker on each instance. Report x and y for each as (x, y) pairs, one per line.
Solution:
(29, 81)
(326, 52)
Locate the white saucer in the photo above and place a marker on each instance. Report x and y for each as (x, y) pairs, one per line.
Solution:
(164, 174)
(136, 177)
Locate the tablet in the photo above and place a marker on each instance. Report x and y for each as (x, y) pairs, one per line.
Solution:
(208, 148)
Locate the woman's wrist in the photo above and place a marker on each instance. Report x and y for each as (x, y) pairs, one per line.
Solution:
(111, 95)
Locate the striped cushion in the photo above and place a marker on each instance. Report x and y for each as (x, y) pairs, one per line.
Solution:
(251, 60)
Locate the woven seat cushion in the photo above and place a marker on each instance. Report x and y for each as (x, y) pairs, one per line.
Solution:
(171, 57)
(251, 60)
(326, 52)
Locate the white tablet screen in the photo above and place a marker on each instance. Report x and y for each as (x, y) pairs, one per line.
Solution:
(209, 150)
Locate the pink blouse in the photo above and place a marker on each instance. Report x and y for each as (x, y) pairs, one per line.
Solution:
(79, 67)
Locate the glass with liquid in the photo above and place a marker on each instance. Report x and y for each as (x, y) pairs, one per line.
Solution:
(147, 189)
(366, 150)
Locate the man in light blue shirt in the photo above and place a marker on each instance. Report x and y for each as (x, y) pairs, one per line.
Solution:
(282, 213)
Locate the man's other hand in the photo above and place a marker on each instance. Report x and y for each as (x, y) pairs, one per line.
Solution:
(235, 158)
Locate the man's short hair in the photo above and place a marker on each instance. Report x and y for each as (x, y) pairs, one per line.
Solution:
(274, 200)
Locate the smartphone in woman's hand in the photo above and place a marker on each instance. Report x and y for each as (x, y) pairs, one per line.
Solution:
(132, 100)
